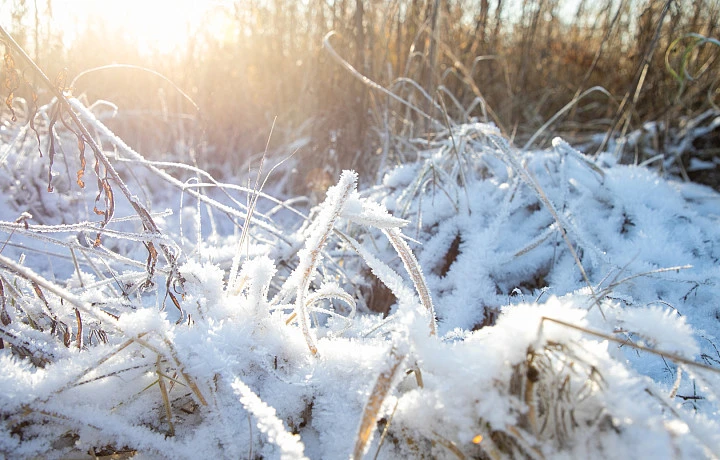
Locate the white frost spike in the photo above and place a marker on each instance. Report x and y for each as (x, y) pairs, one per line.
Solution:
(255, 277)
(366, 212)
(319, 231)
(291, 447)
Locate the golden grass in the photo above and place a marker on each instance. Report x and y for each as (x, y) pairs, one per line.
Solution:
(517, 73)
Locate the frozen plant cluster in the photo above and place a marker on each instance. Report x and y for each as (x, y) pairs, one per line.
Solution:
(539, 305)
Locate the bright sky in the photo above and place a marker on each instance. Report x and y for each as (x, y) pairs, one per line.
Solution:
(156, 24)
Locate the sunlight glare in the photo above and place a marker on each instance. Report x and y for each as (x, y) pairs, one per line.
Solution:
(156, 26)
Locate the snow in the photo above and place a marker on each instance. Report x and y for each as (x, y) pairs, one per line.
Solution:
(546, 304)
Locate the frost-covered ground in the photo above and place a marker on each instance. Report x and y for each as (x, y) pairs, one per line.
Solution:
(538, 304)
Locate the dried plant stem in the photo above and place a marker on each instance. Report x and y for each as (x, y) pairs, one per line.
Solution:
(188, 379)
(461, 166)
(366, 81)
(413, 268)
(379, 393)
(143, 213)
(141, 69)
(231, 285)
(672, 356)
(562, 112)
(76, 381)
(385, 430)
(64, 294)
(165, 398)
(154, 167)
(627, 106)
(79, 338)
(449, 445)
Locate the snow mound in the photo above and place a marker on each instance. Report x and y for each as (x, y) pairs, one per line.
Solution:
(558, 306)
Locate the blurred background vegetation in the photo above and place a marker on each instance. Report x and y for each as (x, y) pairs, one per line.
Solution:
(515, 63)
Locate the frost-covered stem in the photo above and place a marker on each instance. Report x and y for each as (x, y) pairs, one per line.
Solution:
(378, 394)
(385, 274)
(188, 379)
(413, 268)
(672, 356)
(540, 193)
(251, 209)
(368, 82)
(676, 385)
(49, 286)
(100, 155)
(290, 445)
(330, 210)
(152, 166)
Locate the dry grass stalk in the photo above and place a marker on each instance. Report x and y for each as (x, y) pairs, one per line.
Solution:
(449, 445)
(672, 356)
(253, 199)
(188, 379)
(381, 389)
(385, 430)
(165, 398)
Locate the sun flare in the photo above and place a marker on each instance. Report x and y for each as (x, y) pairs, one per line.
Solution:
(156, 26)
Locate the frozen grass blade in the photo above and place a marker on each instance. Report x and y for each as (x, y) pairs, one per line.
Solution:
(41, 282)
(319, 232)
(461, 166)
(188, 379)
(384, 273)
(254, 196)
(530, 181)
(366, 81)
(564, 110)
(413, 268)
